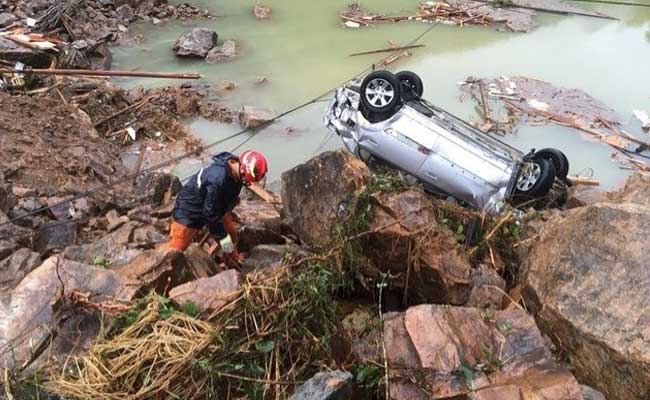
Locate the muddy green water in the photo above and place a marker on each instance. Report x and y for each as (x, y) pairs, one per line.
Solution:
(303, 51)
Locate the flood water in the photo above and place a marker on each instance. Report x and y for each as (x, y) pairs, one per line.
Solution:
(303, 51)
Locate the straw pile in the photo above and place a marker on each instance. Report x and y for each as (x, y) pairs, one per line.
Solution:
(272, 335)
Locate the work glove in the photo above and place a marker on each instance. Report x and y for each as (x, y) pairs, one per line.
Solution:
(227, 245)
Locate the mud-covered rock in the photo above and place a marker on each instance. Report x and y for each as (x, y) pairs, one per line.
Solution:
(195, 43)
(114, 248)
(456, 350)
(252, 117)
(580, 196)
(259, 222)
(422, 255)
(13, 52)
(200, 263)
(319, 193)
(226, 52)
(333, 385)
(587, 279)
(7, 247)
(208, 294)
(14, 268)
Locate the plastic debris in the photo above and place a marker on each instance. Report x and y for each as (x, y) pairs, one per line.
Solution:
(643, 117)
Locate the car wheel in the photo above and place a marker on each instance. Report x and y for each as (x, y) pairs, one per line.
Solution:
(557, 158)
(535, 179)
(381, 93)
(411, 81)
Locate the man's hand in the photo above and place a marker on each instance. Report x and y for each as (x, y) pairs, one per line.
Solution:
(227, 245)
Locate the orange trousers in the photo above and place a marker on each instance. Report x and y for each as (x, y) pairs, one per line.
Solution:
(181, 236)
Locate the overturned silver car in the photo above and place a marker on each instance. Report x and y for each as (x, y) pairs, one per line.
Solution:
(384, 117)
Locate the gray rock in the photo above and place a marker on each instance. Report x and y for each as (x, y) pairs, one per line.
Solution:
(591, 394)
(14, 52)
(125, 12)
(195, 43)
(14, 268)
(6, 248)
(7, 19)
(317, 194)
(334, 385)
(226, 52)
(55, 236)
(588, 282)
(260, 223)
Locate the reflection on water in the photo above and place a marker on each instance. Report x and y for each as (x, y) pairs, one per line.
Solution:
(303, 51)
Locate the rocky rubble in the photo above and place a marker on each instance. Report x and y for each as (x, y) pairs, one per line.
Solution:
(202, 43)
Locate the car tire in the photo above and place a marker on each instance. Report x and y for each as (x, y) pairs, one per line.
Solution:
(535, 180)
(411, 82)
(381, 93)
(557, 158)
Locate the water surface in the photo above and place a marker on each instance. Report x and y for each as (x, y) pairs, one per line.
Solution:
(303, 51)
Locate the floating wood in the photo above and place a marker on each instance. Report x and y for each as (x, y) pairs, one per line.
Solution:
(578, 180)
(387, 50)
(90, 72)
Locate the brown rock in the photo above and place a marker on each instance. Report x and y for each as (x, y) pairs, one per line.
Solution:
(159, 269)
(587, 279)
(580, 196)
(252, 117)
(453, 351)
(20, 191)
(591, 394)
(636, 190)
(317, 194)
(260, 223)
(209, 294)
(406, 222)
(488, 288)
(201, 264)
(273, 255)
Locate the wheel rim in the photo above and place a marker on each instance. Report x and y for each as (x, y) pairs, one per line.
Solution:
(529, 177)
(380, 92)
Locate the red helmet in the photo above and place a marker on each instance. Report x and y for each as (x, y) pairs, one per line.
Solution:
(253, 166)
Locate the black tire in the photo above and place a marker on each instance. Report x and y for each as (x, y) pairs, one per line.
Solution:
(535, 180)
(381, 94)
(557, 158)
(411, 82)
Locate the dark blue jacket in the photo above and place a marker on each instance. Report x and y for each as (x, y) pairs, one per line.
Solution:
(208, 195)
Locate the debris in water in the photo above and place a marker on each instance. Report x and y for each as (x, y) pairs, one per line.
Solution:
(643, 117)
(261, 11)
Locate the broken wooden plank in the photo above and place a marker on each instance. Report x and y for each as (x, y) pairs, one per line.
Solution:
(388, 50)
(90, 72)
(578, 180)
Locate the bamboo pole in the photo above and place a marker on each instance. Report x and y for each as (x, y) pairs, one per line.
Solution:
(387, 50)
(88, 72)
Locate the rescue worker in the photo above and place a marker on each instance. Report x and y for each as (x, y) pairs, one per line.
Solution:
(210, 195)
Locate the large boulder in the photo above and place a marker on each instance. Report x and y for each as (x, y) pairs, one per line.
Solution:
(253, 117)
(7, 19)
(159, 269)
(422, 255)
(588, 281)
(12, 51)
(55, 236)
(319, 193)
(195, 43)
(441, 352)
(208, 294)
